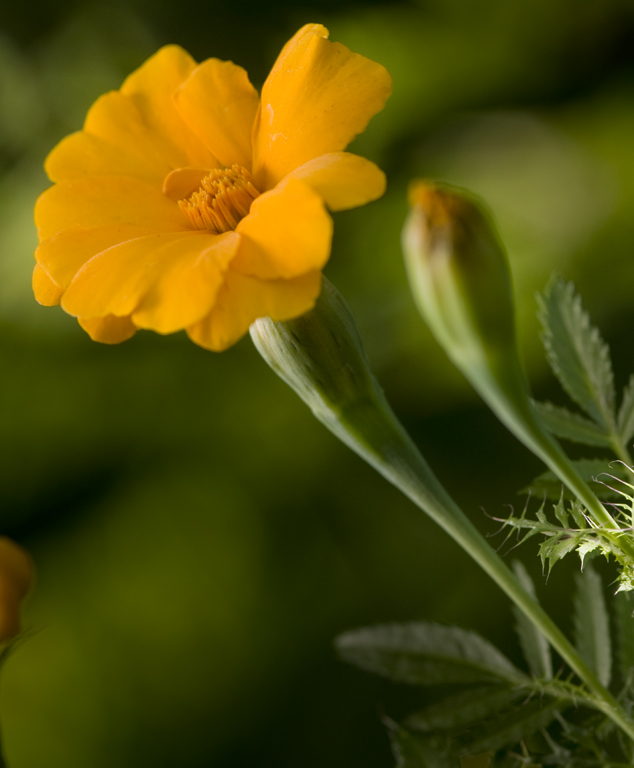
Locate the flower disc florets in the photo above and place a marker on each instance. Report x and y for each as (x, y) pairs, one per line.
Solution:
(222, 201)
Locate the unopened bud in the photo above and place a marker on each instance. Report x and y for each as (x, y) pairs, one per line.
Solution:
(16, 578)
(461, 282)
(458, 273)
(320, 354)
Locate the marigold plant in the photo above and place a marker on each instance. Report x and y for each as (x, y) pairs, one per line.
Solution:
(188, 201)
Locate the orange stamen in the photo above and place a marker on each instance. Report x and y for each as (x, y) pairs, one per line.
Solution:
(224, 198)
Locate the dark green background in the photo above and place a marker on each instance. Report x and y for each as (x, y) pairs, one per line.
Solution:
(199, 537)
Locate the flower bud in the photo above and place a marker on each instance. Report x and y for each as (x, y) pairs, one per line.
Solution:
(459, 274)
(320, 354)
(461, 282)
(16, 577)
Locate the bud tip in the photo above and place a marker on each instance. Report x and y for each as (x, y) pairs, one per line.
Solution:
(440, 205)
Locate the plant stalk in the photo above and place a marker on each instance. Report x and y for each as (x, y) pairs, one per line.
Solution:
(371, 430)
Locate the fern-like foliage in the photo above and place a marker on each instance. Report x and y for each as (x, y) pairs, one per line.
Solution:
(576, 352)
(580, 359)
(499, 716)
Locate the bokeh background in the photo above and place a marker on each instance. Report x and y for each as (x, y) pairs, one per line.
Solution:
(199, 537)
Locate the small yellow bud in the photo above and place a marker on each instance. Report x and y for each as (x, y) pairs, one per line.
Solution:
(16, 577)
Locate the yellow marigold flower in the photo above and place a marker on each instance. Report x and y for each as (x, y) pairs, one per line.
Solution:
(16, 578)
(189, 201)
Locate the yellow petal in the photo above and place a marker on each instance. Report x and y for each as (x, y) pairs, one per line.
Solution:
(136, 131)
(96, 201)
(165, 282)
(16, 577)
(286, 233)
(115, 118)
(183, 182)
(46, 291)
(188, 289)
(317, 98)
(152, 89)
(243, 299)
(82, 154)
(219, 104)
(64, 254)
(108, 329)
(342, 180)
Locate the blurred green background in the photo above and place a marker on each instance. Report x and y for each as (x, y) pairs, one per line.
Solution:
(199, 537)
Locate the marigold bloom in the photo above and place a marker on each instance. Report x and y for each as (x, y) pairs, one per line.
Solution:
(189, 201)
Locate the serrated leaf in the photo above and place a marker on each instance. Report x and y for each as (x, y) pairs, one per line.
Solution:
(571, 426)
(464, 709)
(511, 727)
(534, 645)
(560, 512)
(587, 546)
(625, 580)
(526, 527)
(557, 547)
(541, 515)
(624, 615)
(592, 629)
(423, 653)
(591, 470)
(415, 751)
(577, 512)
(625, 420)
(576, 352)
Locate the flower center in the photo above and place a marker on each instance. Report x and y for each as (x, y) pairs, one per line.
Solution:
(224, 198)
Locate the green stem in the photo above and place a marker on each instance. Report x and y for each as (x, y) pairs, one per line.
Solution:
(620, 450)
(370, 428)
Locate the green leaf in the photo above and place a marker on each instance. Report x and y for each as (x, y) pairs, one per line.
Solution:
(534, 645)
(587, 546)
(464, 709)
(624, 615)
(625, 421)
(549, 485)
(511, 727)
(423, 653)
(577, 511)
(576, 352)
(571, 426)
(416, 751)
(560, 512)
(592, 629)
(555, 548)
